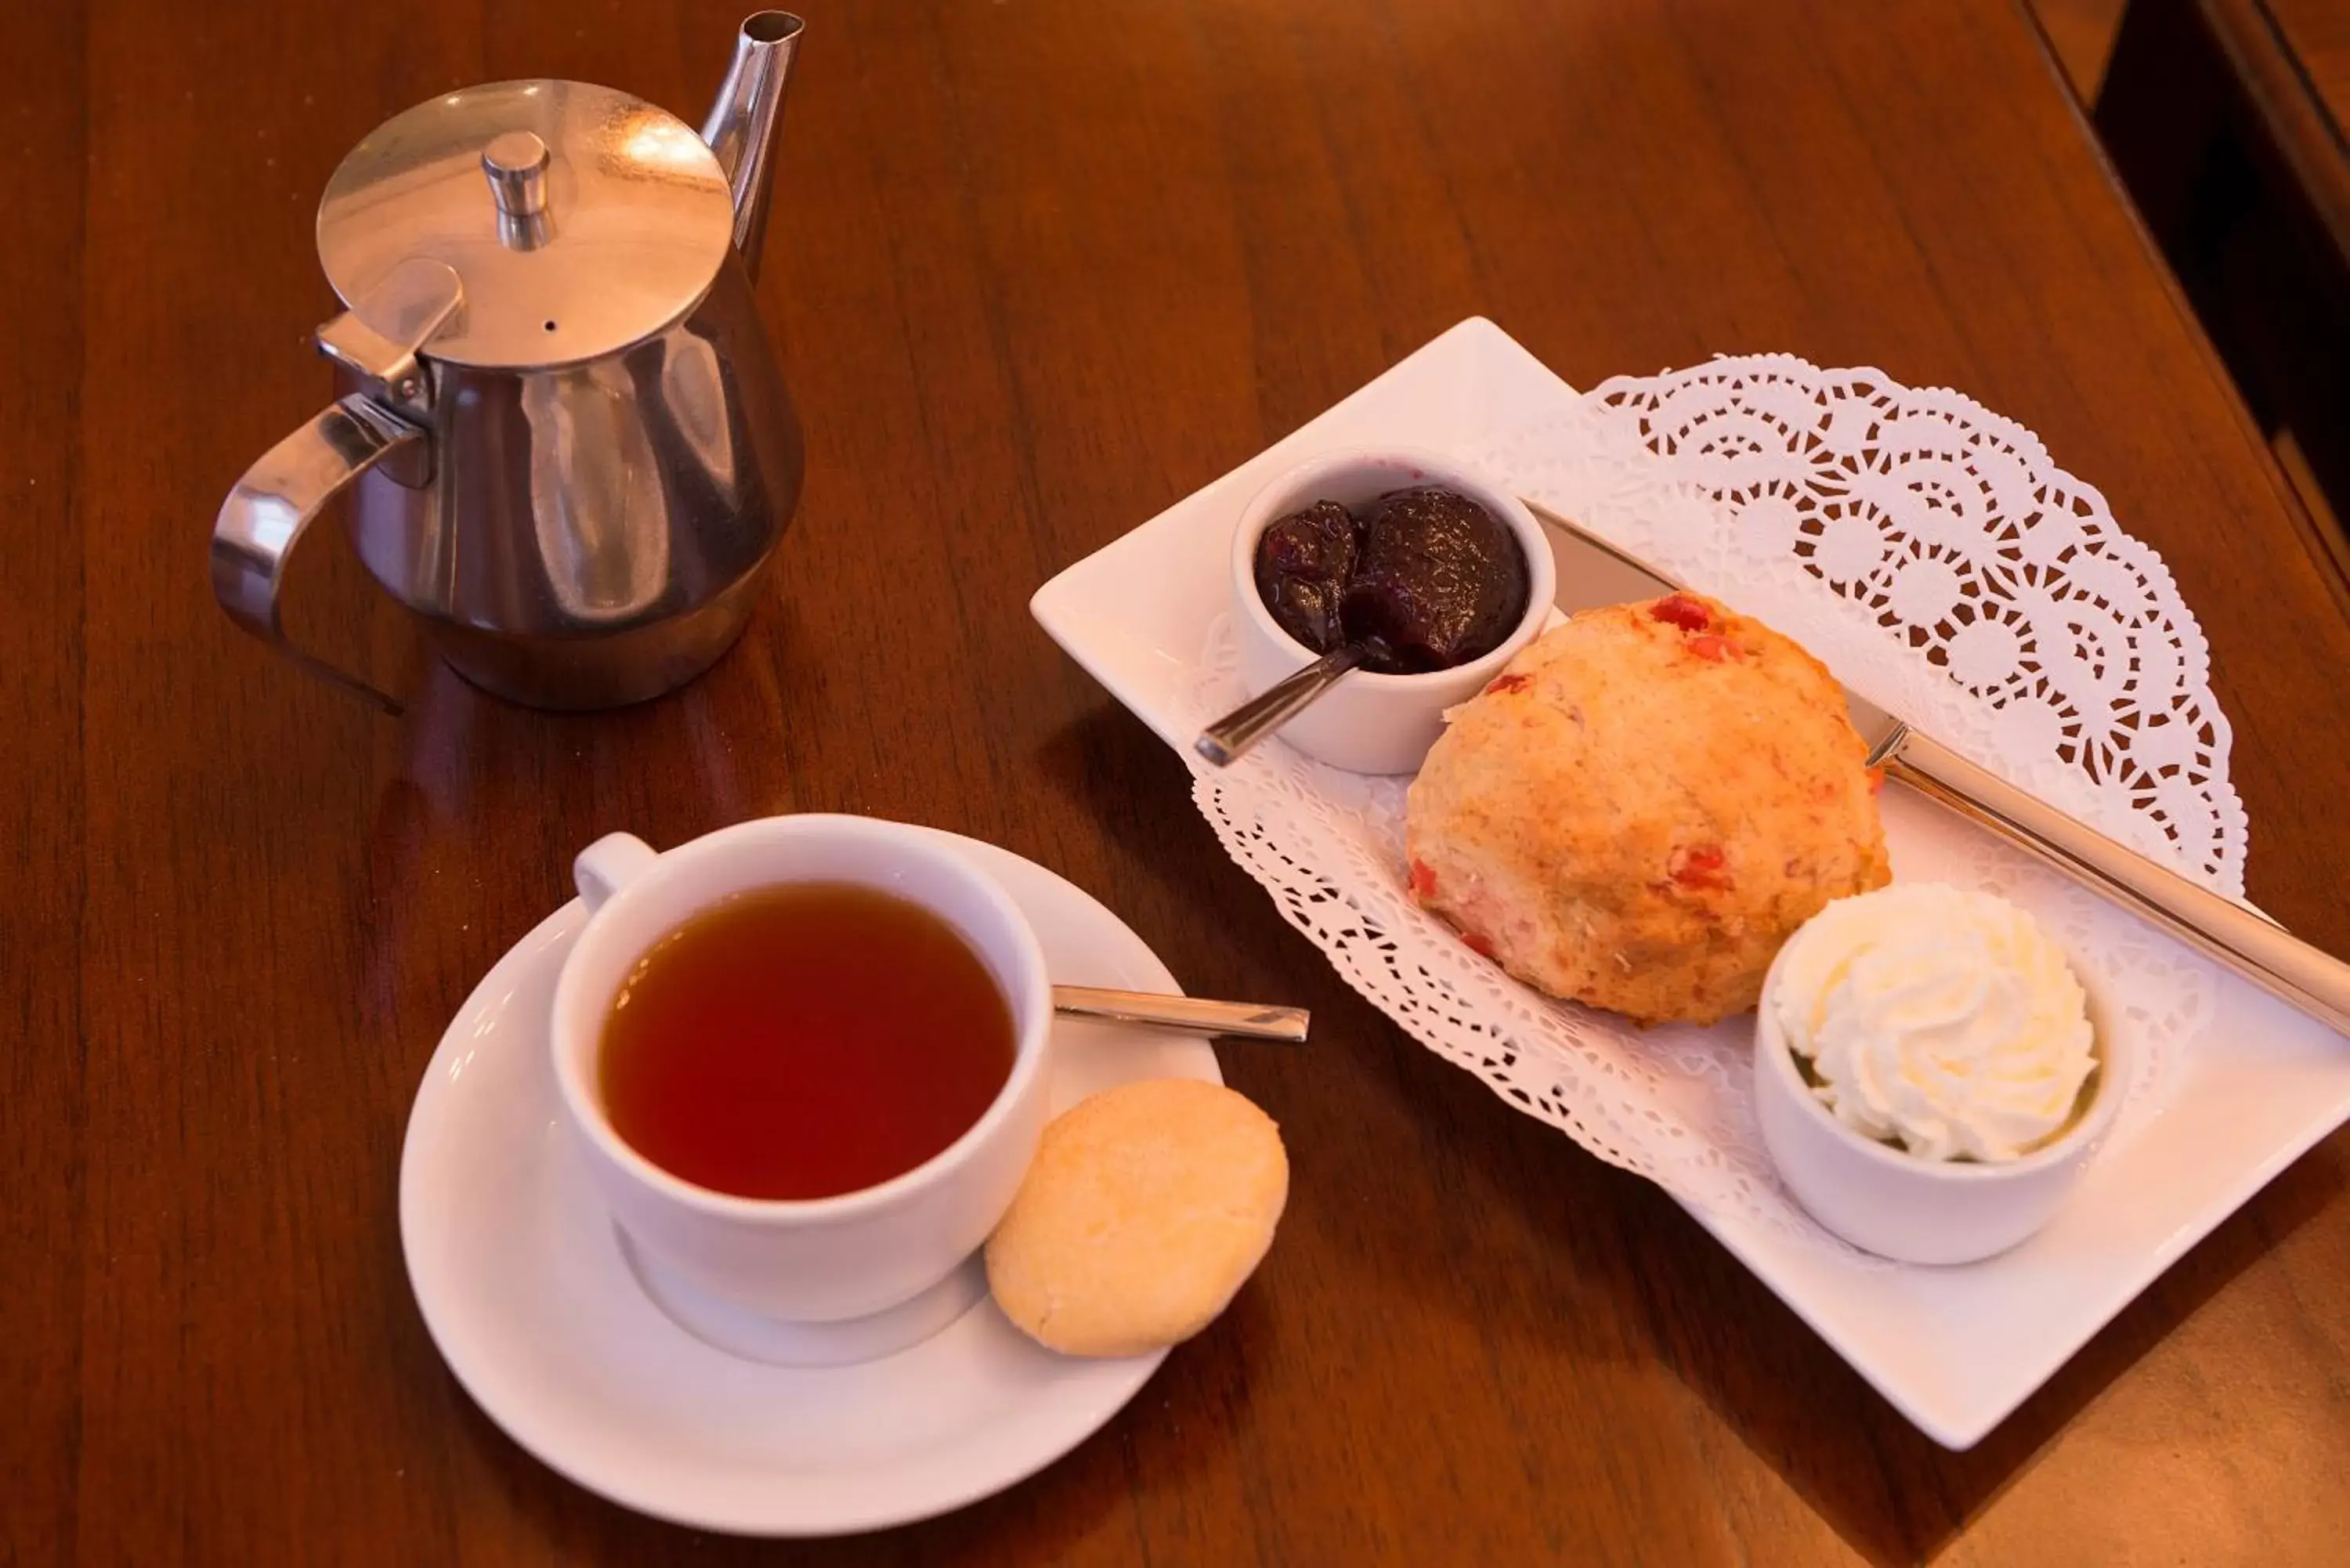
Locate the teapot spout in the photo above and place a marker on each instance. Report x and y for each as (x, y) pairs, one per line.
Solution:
(742, 123)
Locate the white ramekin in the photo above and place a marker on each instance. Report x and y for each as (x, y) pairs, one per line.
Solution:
(1367, 722)
(1885, 1200)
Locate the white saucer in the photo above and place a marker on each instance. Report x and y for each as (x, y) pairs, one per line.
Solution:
(523, 1286)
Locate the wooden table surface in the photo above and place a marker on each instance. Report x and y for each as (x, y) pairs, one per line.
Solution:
(1038, 268)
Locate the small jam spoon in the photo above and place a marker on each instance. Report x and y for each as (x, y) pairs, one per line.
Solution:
(1193, 1015)
(1223, 742)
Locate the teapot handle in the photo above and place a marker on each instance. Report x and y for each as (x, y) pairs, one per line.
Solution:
(378, 340)
(266, 515)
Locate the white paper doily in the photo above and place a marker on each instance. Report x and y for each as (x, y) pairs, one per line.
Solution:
(1930, 553)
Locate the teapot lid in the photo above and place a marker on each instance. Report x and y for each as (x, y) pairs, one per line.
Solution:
(580, 220)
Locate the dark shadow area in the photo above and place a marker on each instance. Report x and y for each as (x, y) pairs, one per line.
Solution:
(2232, 152)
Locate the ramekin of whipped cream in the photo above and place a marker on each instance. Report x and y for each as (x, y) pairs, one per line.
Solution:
(1928, 1073)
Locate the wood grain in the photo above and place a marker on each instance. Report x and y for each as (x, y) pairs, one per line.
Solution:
(1038, 269)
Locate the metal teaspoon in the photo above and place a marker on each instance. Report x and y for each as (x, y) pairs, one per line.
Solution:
(1225, 741)
(1193, 1015)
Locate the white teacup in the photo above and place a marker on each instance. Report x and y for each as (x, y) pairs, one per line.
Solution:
(825, 1280)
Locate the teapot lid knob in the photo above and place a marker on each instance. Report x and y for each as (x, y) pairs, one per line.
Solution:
(515, 162)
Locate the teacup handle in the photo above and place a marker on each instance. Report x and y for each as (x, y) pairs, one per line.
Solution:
(609, 865)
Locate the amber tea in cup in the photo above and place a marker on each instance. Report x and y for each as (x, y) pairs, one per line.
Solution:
(802, 1041)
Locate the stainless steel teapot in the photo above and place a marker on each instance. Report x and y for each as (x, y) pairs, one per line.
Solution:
(571, 448)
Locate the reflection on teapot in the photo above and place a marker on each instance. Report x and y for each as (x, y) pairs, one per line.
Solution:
(693, 395)
(571, 450)
(604, 542)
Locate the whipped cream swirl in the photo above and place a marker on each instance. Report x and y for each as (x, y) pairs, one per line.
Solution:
(1943, 1020)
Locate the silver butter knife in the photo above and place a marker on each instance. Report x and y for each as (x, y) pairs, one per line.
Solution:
(2260, 950)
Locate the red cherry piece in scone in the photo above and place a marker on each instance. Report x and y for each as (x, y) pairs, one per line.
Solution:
(1683, 611)
(1716, 648)
(1700, 867)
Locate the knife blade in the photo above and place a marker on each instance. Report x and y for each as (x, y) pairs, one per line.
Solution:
(1591, 570)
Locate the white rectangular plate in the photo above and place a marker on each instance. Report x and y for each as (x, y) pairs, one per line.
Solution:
(1955, 1349)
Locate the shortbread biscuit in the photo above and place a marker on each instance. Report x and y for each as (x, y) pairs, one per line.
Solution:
(1147, 1207)
(1643, 805)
